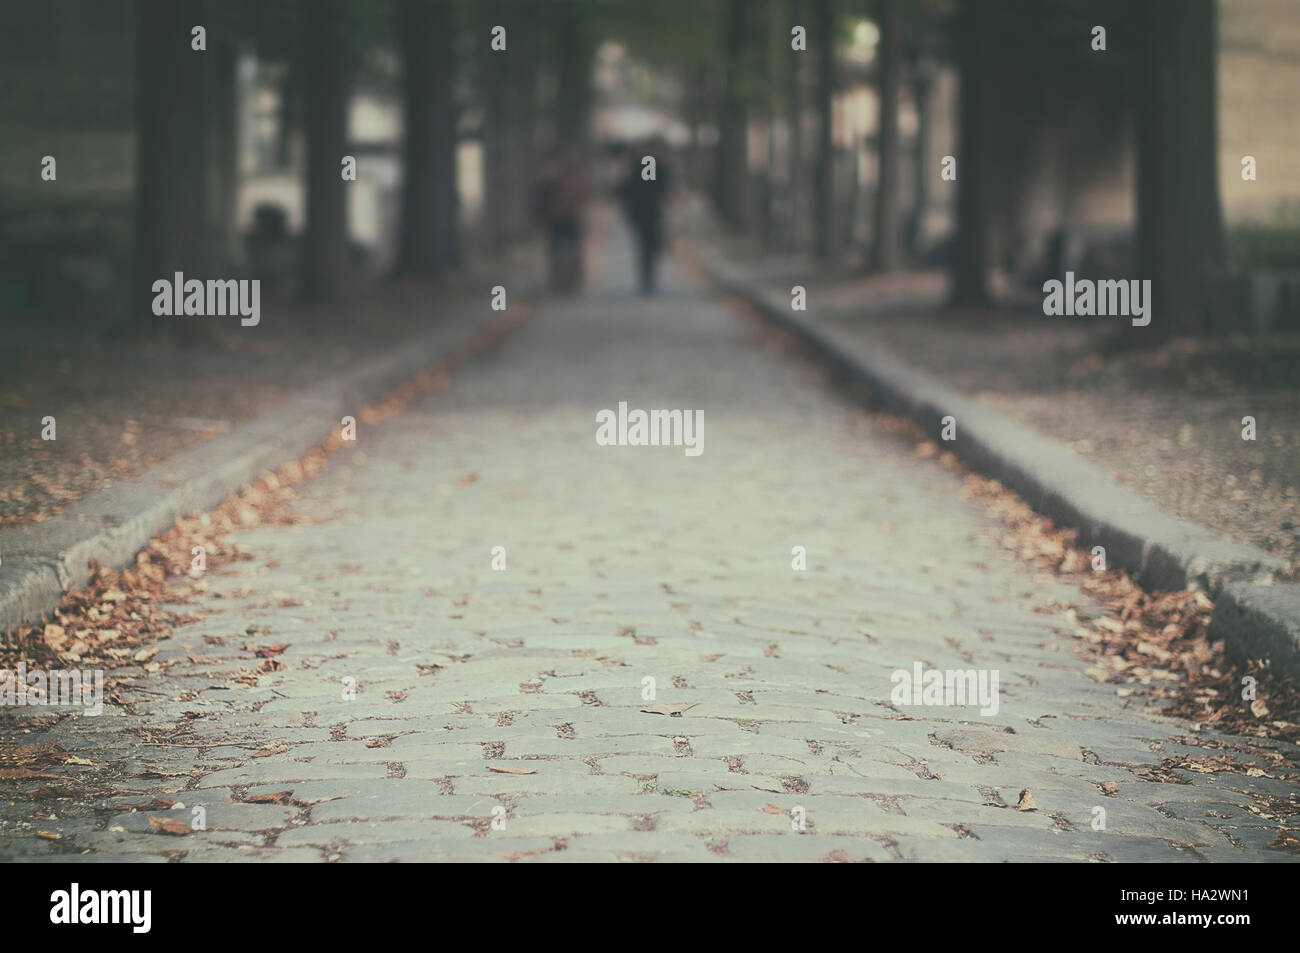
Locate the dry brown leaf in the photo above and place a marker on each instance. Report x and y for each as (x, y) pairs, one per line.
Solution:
(169, 825)
(513, 855)
(668, 709)
(19, 774)
(1146, 648)
(157, 804)
(1027, 802)
(55, 636)
(277, 797)
(508, 769)
(267, 752)
(33, 753)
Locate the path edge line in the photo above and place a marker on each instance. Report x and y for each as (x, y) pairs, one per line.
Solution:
(1255, 615)
(41, 562)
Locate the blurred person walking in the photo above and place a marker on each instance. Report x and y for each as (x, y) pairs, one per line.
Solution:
(561, 196)
(644, 192)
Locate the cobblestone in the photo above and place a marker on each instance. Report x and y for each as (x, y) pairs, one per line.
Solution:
(625, 563)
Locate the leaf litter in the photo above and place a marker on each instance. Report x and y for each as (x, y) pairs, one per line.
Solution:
(1155, 644)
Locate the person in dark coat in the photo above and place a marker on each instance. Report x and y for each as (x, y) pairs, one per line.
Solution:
(644, 192)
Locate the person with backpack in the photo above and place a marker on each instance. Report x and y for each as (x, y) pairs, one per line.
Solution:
(561, 198)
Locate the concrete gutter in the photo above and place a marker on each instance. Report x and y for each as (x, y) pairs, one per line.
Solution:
(1256, 616)
(39, 562)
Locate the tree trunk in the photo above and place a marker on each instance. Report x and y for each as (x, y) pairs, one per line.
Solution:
(221, 103)
(794, 9)
(696, 91)
(885, 237)
(325, 85)
(498, 125)
(823, 37)
(1180, 222)
(446, 234)
(523, 114)
(924, 171)
(731, 161)
(427, 241)
(970, 286)
(573, 84)
(171, 161)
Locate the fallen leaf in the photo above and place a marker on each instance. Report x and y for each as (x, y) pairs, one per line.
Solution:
(771, 809)
(168, 825)
(1146, 648)
(1027, 802)
(513, 855)
(278, 797)
(668, 709)
(157, 804)
(507, 769)
(32, 753)
(55, 636)
(267, 752)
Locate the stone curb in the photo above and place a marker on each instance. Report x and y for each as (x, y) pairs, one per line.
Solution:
(1256, 616)
(39, 562)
